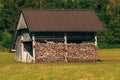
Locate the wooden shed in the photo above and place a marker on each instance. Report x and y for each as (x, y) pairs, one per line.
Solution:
(72, 26)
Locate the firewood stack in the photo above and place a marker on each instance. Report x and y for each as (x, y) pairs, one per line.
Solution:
(56, 52)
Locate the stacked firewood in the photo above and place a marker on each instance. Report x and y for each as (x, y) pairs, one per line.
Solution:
(82, 52)
(60, 52)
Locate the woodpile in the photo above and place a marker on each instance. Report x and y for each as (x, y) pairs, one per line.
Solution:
(60, 52)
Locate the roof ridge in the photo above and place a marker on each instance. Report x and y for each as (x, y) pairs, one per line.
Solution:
(58, 9)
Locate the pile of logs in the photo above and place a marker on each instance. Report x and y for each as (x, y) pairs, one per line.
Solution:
(60, 52)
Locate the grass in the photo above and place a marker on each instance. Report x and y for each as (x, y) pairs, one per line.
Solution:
(107, 69)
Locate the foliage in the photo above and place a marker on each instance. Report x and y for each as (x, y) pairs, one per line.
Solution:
(3, 48)
(109, 66)
(7, 39)
(1, 35)
(111, 18)
(1, 41)
(108, 46)
(107, 10)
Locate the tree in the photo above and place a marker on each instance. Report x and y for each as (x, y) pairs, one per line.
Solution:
(8, 14)
(6, 42)
(107, 10)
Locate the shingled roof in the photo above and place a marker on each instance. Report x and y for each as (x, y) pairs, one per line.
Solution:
(62, 20)
(58, 21)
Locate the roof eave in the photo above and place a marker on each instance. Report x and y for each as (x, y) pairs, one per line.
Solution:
(67, 31)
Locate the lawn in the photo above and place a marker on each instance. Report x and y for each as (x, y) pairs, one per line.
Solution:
(106, 69)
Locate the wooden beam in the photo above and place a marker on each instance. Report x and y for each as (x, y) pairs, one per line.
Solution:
(65, 41)
(33, 43)
(95, 40)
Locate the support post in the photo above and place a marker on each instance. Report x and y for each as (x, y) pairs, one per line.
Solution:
(33, 43)
(95, 40)
(65, 39)
(65, 42)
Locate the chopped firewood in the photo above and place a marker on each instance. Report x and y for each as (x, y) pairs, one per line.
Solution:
(56, 52)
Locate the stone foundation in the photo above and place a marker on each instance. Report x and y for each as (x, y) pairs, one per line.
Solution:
(60, 52)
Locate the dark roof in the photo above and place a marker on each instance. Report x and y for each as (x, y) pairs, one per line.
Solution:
(62, 20)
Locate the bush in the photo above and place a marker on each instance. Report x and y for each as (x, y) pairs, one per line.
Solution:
(3, 48)
(108, 46)
(1, 35)
(7, 39)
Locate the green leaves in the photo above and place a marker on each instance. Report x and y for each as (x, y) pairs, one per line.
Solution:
(107, 10)
(6, 42)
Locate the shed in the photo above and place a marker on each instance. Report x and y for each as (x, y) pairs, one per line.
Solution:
(72, 26)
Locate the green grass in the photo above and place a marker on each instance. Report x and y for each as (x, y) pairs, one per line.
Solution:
(107, 69)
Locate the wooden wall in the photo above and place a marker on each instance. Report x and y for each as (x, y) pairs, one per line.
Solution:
(24, 46)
